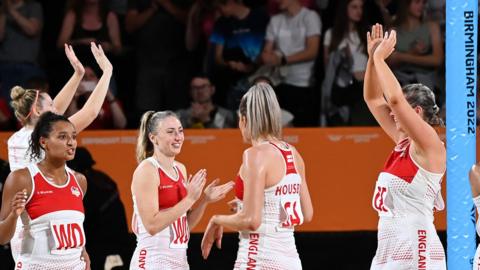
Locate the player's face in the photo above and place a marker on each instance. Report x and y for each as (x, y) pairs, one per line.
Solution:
(61, 143)
(169, 138)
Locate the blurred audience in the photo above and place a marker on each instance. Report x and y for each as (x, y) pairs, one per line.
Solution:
(203, 113)
(201, 18)
(238, 37)
(292, 44)
(111, 116)
(419, 51)
(87, 21)
(345, 56)
(21, 23)
(162, 62)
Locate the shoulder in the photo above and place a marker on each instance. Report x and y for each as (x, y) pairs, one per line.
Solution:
(433, 27)
(475, 172)
(144, 172)
(18, 180)
(81, 179)
(258, 154)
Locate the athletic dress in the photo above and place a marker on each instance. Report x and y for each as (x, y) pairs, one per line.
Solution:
(53, 225)
(19, 158)
(166, 250)
(404, 197)
(272, 245)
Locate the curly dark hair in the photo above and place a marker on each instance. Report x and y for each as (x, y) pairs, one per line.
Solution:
(43, 129)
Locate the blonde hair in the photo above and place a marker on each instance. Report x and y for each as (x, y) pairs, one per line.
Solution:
(262, 112)
(148, 125)
(23, 101)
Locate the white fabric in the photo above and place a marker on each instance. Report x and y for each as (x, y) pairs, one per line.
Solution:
(355, 47)
(289, 37)
(158, 251)
(407, 238)
(38, 245)
(272, 246)
(18, 154)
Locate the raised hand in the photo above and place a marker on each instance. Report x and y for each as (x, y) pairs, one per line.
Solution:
(215, 193)
(76, 64)
(213, 234)
(18, 202)
(374, 38)
(101, 58)
(195, 184)
(387, 46)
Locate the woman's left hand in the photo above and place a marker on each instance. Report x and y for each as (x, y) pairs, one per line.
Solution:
(213, 234)
(215, 193)
(387, 46)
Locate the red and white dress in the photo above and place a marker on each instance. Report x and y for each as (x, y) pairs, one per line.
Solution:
(19, 158)
(272, 245)
(404, 197)
(53, 225)
(167, 249)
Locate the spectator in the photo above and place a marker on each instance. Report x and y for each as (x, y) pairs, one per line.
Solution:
(111, 116)
(292, 43)
(21, 23)
(345, 52)
(201, 19)
(103, 208)
(161, 56)
(419, 51)
(6, 117)
(90, 21)
(203, 113)
(238, 36)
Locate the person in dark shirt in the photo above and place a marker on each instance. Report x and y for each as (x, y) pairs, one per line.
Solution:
(238, 37)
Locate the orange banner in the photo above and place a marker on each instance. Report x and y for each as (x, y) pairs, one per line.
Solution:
(342, 165)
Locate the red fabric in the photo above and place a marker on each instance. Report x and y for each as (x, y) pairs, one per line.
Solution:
(48, 198)
(400, 164)
(170, 192)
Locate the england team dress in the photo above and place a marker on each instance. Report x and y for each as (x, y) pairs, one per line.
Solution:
(404, 197)
(272, 245)
(167, 249)
(53, 225)
(18, 158)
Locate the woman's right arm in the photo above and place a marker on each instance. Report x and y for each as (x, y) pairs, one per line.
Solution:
(65, 96)
(92, 107)
(305, 199)
(372, 92)
(145, 189)
(13, 202)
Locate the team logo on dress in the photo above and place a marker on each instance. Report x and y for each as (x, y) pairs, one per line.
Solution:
(75, 191)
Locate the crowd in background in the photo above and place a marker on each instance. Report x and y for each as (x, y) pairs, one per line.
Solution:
(198, 57)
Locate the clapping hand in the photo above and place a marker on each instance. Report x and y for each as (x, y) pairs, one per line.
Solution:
(374, 38)
(101, 58)
(76, 64)
(387, 46)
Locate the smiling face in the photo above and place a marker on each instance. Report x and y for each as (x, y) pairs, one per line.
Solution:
(168, 137)
(61, 142)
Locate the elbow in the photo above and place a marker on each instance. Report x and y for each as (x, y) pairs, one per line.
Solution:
(150, 230)
(252, 224)
(308, 217)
